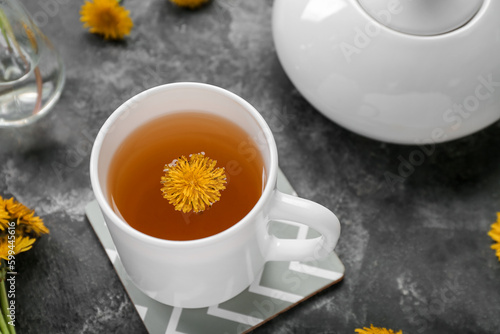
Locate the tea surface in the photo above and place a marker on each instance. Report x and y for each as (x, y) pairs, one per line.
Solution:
(137, 167)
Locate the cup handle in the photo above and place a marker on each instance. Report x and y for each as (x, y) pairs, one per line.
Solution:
(286, 207)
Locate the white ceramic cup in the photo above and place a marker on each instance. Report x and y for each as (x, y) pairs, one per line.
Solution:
(208, 271)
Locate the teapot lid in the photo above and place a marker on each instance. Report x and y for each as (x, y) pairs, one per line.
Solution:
(422, 17)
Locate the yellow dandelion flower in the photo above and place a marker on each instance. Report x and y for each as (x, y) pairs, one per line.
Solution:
(15, 208)
(21, 244)
(376, 330)
(194, 184)
(4, 219)
(33, 224)
(12, 210)
(192, 4)
(494, 233)
(106, 17)
(497, 248)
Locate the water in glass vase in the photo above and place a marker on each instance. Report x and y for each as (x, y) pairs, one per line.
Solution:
(31, 71)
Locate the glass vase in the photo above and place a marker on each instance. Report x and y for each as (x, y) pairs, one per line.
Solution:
(31, 70)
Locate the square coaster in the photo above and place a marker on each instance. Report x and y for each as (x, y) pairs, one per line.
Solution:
(280, 286)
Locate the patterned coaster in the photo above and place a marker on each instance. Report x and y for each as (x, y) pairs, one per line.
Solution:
(280, 286)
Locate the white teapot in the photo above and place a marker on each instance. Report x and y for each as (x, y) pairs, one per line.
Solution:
(400, 71)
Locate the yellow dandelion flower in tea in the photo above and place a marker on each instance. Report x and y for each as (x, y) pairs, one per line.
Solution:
(192, 4)
(193, 184)
(376, 330)
(494, 233)
(107, 18)
(21, 244)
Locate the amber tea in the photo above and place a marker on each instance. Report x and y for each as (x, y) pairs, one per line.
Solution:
(137, 167)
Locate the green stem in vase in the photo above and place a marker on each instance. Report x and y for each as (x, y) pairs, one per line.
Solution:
(9, 36)
(5, 27)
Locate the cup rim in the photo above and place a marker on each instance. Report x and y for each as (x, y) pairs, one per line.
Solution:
(122, 225)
